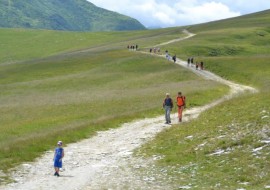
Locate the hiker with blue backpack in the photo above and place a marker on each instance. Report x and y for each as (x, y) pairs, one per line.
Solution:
(167, 106)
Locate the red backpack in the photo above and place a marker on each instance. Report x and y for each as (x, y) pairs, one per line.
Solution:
(181, 101)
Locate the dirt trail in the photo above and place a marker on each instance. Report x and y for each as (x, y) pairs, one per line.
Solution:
(105, 161)
(189, 35)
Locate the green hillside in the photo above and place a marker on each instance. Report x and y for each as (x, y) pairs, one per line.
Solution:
(237, 49)
(68, 85)
(79, 15)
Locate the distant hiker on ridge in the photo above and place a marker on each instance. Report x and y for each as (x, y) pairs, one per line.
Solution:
(201, 65)
(191, 61)
(174, 58)
(167, 55)
(197, 65)
(188, 61)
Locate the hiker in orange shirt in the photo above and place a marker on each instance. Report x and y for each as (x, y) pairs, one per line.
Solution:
(181, 103)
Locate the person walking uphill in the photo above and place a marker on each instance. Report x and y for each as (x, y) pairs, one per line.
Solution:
(174, 58)
(58, 156)
(168, 105)
(181, 103)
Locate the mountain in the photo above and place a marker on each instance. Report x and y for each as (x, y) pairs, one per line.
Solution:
(71, 15)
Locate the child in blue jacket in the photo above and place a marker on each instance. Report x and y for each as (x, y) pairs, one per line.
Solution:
(58, 156)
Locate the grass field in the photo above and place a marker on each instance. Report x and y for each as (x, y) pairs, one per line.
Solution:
(227, 147)
(61, 85)
(20, 44)
(70, 89)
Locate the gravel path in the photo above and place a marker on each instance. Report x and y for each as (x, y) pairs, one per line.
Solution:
(105, 161)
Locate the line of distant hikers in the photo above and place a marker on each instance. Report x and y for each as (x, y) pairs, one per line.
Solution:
(180, 99)
(190, 62)
(157, 50)
(133, 47)
(154, 50)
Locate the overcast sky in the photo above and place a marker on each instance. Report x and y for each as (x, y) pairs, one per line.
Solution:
(167, 13)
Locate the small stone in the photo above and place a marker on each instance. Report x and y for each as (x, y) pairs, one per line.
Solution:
(185, 187)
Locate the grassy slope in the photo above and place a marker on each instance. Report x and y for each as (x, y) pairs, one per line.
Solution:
(20, 44)
(237, 50)
(69, 96)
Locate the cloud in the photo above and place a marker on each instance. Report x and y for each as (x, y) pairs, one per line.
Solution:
(154, 14)
(167, 13)
(204, 12)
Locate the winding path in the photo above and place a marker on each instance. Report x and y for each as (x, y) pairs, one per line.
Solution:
(105, 161)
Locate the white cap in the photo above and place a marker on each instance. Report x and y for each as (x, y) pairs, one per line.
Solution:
(167, 94)
(59, 143)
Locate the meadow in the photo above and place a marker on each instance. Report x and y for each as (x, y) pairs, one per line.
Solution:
(20, 44)
(227, 147)
(84, 83)
(68, 86)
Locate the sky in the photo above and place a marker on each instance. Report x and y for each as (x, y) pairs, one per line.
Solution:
(169, 13)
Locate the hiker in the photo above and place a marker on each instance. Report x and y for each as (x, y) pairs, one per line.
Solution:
(136, 47)
(201, 65)
(188, 61)
(191, 61)
(150, 50)
(168, 57)
(197, 65)
(167, 106)
(174, 58)
(58, 156)
(181, 103)
(167, 54)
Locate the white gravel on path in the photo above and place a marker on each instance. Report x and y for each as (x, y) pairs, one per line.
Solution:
(105, 161)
